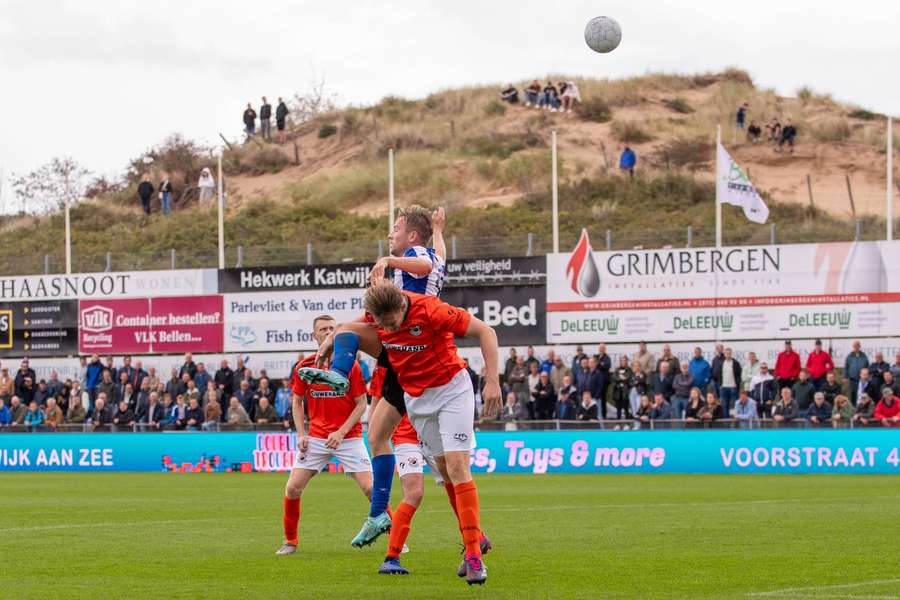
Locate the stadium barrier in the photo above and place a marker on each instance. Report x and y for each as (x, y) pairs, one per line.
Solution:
(564, 451)
(491, 425)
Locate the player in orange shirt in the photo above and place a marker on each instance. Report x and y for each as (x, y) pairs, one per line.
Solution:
(417, 333)
(334, 431)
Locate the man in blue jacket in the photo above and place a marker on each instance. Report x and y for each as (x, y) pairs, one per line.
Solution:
(593, 381)
(855, 362)
(627, 161)
(700, 369)
(94, 371)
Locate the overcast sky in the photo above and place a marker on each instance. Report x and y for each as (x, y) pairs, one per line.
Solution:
(102, 81)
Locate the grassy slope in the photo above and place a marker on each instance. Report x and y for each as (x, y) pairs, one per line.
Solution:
(458, 148)
(646, 537)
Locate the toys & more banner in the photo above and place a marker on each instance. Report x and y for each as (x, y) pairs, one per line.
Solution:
(847, 289)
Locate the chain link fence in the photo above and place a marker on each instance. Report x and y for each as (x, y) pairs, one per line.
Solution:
(458, 246)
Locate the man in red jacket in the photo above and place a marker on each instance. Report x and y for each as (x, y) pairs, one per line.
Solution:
(818, 365)
(787, 366)
(888, 410)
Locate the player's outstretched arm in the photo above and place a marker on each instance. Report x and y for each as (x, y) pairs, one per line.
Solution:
(438, 222)
(487, 339)
(414, 265)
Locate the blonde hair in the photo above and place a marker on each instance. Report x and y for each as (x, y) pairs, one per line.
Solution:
(418, 219)
(383, 298)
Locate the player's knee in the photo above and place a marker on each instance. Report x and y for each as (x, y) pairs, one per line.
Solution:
(380, 447)
(413, 496)
(293, 490)
(457, 467)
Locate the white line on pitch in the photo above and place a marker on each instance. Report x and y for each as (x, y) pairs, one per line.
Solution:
(824, 588)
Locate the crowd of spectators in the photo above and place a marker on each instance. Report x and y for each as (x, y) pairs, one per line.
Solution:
(126, 397)
(265, 120)
(631, 390)
(645, 387)
(778, 135)
(560, 97)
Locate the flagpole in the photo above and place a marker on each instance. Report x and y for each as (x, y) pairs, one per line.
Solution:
(718, 201)
(68, 239)
(555, 184)
(220, 197)
(890, 181)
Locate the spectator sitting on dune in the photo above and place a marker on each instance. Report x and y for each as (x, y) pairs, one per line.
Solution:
(550, 98)
(510, 94)
(773, 130)
(754, 133)
(532, 93)
(788, 135)
(570, 97)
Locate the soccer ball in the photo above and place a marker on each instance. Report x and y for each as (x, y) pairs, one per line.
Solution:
(602, 34)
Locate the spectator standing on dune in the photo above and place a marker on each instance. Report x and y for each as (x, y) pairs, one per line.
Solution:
(249, 121)
(265, 120)
(741, 115)
(207, 185)
(145, 192)
(165, 195)
(628, 161)
(281, 113)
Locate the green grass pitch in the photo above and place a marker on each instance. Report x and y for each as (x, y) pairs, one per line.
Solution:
(555, 536)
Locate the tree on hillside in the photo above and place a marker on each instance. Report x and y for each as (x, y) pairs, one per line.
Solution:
(50, 186)
(180, 158)
(317, 101)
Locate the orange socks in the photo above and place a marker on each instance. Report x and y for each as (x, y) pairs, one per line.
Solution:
(290, 519)
(467, 509)
(451, 496)
(400, 529)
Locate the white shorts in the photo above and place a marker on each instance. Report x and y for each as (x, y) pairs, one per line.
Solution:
(444, 417)
(411, 459)
(351, 453)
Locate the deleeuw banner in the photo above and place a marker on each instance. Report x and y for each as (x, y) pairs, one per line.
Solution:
(734, 187)
(845, 289)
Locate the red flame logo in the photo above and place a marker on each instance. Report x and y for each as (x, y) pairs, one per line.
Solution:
(582, 270)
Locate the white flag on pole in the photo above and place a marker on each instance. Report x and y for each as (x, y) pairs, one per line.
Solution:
(734, 187)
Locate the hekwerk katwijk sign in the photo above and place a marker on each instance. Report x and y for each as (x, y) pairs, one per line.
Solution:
(746, 292)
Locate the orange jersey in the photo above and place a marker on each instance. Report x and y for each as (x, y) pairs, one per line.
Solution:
(327, 410)
(422, 351)
(404, 433)
(376, 382)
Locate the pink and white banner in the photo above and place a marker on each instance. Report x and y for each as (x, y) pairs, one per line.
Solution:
(151, 325)
(848, 289)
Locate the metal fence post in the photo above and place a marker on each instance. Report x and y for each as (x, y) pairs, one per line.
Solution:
(108, 262)
(858, 229)
(530, 250)
(608, 239)
(46, 264)
(240, 257)
(772, 234)
(309, 256)
(690, 236)
(453, 246)
(173, 259)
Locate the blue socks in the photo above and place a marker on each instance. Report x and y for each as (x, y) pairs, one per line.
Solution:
(382, 479)
(346, 346)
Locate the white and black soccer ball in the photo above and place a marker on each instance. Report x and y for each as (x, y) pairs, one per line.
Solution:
(602, 34)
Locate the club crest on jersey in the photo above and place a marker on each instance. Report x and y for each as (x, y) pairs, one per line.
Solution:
(415, 330)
